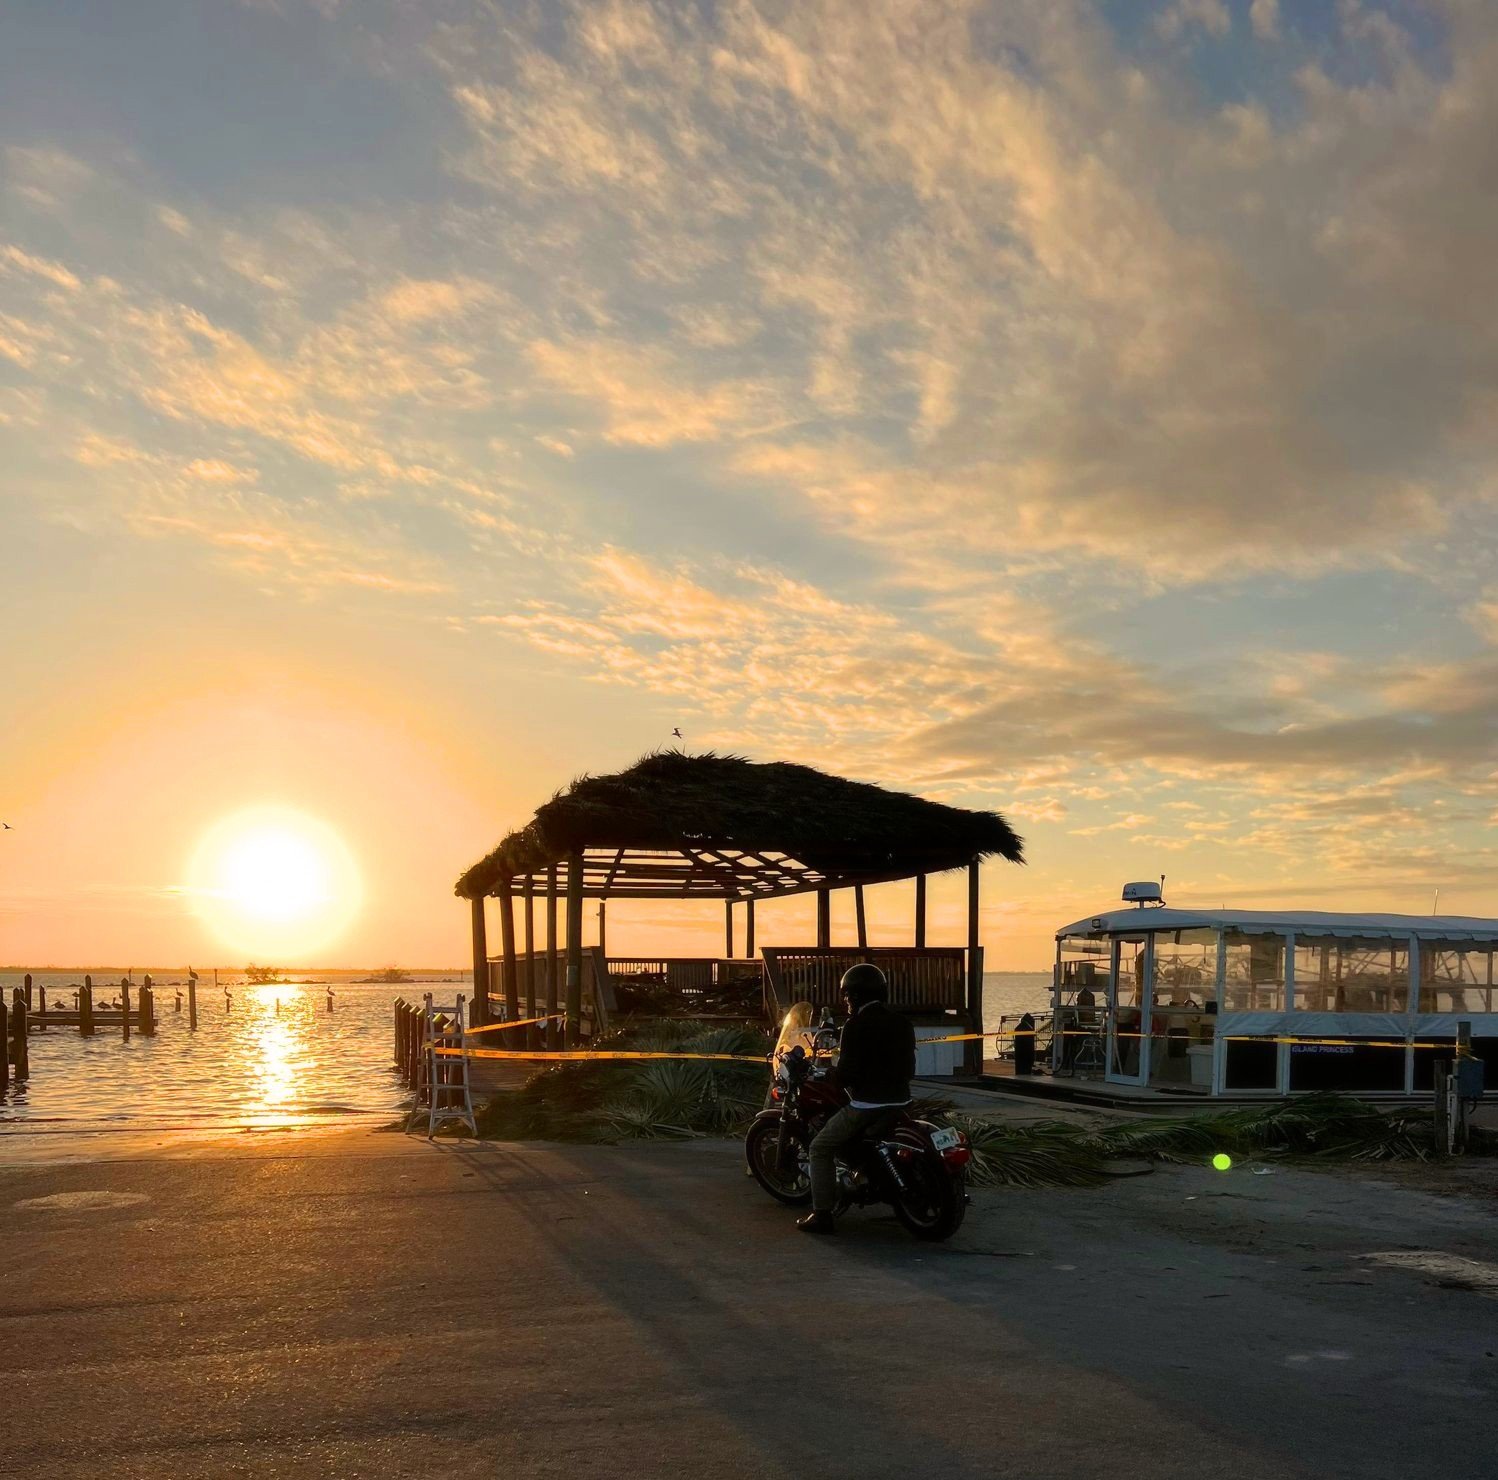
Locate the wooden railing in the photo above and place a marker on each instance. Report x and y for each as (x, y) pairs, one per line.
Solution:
(930, 979)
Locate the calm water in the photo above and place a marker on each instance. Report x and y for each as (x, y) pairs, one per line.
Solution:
(251, 1062)
(254, 1063)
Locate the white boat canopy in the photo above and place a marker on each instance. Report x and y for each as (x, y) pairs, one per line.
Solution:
(1279, 922)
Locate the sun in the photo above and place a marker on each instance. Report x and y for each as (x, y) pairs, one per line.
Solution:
(275, 883)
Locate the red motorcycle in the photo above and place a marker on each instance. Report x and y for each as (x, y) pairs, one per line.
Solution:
(916, 1167)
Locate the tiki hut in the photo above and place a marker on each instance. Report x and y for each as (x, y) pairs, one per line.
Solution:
(711, 827)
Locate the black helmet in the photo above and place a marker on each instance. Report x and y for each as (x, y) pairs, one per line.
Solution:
(864, 983)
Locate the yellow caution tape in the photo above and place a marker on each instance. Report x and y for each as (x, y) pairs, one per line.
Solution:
(548, 1056)
(515, 1023)
(557, 1055)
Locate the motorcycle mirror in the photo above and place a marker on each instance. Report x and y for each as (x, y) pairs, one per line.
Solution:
(797, 1053)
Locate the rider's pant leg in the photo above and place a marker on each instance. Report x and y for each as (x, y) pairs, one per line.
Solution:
(842, 1128)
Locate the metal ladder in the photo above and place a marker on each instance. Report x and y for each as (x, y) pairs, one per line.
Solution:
(442, 1092)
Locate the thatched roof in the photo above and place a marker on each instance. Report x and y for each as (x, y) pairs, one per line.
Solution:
(676, 825)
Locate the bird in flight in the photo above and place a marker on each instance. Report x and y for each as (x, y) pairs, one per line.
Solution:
(677, 733)
(9, 828)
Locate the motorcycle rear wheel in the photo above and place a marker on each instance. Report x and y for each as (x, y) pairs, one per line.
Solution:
(790, 1185)
(937, 1202)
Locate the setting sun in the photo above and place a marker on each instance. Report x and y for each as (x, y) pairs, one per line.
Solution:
(274, 881)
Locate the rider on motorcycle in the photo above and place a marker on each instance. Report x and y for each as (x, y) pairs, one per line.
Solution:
(875, 1064)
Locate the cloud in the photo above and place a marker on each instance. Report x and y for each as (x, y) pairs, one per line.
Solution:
(1264, 15)
(643, 400)
(1211, 16)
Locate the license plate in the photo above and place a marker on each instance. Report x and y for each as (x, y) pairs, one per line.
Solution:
(945, 1140)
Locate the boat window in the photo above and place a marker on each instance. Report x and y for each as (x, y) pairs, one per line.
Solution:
(1456, 977)
(1254, 976)
(1339, 975)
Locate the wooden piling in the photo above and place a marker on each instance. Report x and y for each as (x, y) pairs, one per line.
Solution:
(192, 999)
(20, 1057)
(86, 1008)
(147, 1020)
(920, 912)
(4, 1045)
(28, 992)
(42, 996)
(125, 1009)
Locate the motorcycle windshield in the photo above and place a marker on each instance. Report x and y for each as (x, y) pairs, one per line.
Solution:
(798, 1026)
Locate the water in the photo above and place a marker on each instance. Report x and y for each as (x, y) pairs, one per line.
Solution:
(251, 1065)
(248, 1064)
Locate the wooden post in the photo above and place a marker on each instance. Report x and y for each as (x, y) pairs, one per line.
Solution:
(507, 942)
(4, 1045)
(192, 1000)
(824, 918)
(528, 895)
(920, 912)
(1463, 1051)
(603, 941)
(146, 1023)
(574, 949)
(728, 929)
(974, 970)
(863, 928)
(86, 1008)
(553, 1028)
(749, 928)
(480, 1013)
(20, 1054)
(28, 991)
(125, 1008)
(42, 994)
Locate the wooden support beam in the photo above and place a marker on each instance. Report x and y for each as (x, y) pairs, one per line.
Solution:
(863, 927)
(480, 963)
(728, 929)
(86, 1008)
(508, 971)
(749, 929)
(974, 970)
(603, 927)
(529, 916)
(920, 912)
(553, 1030)
(574, 950)
(824, 918)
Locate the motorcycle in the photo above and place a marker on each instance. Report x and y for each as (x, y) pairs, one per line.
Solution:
(916, 1167)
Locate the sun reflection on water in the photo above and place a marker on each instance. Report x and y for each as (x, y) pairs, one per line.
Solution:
(278, 1052)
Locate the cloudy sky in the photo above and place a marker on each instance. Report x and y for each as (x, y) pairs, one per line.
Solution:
(1081, 409)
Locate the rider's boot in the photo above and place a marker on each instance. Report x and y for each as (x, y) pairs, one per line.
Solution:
(817, 1223)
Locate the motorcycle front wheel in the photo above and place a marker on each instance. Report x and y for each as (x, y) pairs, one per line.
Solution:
(789, 1184)
(936, 1203)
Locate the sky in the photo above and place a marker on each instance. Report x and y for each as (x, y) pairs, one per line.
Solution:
(1086, 411)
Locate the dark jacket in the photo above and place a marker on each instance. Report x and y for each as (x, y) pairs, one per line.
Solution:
(876, 1058)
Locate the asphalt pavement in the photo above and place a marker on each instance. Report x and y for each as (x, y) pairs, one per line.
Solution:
(367, 1305)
